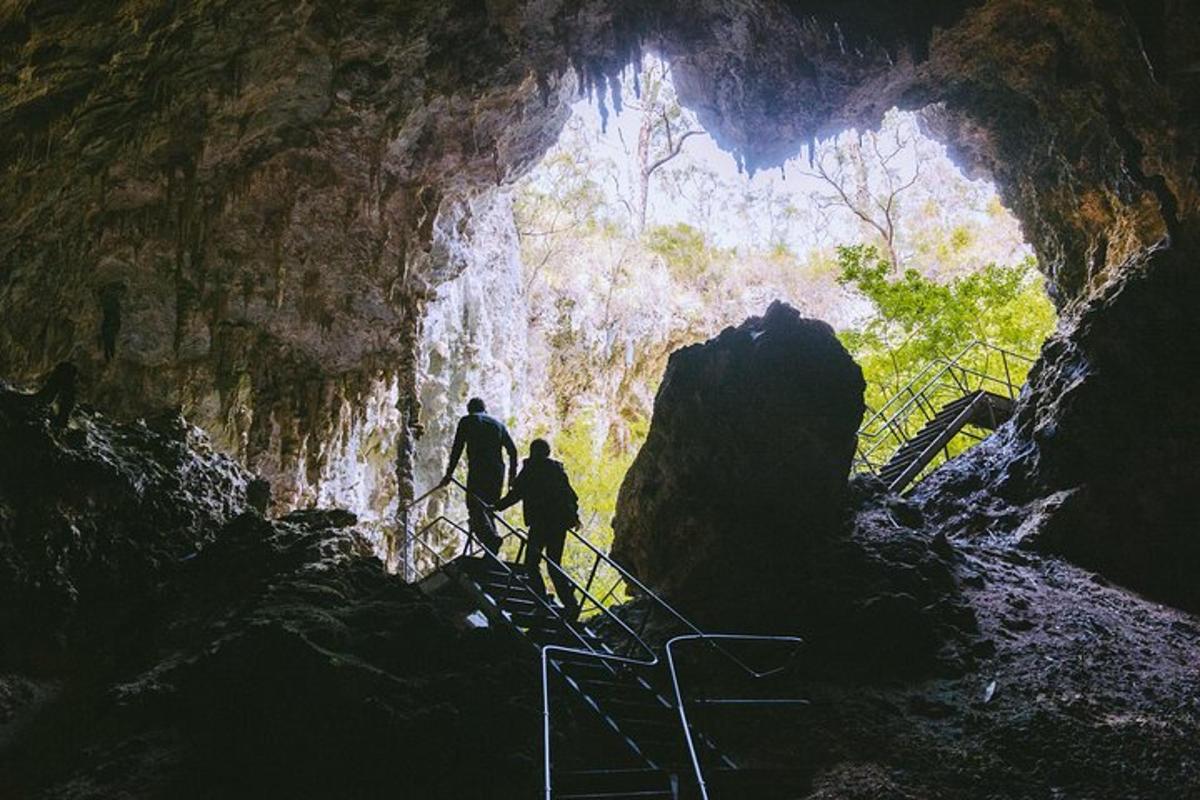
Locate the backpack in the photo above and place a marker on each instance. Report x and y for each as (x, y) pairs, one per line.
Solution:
(566, 505)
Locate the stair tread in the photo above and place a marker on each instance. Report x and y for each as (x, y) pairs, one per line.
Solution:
(642, 722)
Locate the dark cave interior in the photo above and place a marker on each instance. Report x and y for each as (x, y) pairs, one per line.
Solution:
(231, 218)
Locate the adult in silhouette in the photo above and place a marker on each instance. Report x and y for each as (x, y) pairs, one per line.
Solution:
(551, 508)
(486, 440)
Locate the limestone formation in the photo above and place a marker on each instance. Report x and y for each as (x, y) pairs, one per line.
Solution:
(746, 460)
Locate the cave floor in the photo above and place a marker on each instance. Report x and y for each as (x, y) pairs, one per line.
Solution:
(1091, 692)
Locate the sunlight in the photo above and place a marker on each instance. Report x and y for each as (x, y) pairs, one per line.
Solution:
(641, 235)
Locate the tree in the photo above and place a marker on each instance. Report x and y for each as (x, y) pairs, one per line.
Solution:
(664, 129)
(916, 320)
(867, 176)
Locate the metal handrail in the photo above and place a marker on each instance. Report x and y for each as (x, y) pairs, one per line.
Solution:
(682, 707)
(563, 650)
(885, 425)
(599, 556)
(949, 364)
(647, 592)
(652, 658)
(522, 536)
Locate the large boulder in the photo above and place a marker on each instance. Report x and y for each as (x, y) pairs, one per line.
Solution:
(746, 461)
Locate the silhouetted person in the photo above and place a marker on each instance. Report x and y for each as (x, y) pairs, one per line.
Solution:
(59, 392)
(551, 507)
(485, 439)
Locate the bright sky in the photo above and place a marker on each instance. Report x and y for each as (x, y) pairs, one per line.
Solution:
(717, 209)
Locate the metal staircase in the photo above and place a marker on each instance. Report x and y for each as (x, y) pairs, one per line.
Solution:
(603, 666)
(965, 396)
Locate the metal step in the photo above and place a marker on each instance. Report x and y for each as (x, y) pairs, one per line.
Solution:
(643, 722)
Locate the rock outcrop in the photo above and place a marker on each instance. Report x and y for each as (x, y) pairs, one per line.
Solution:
(746, 460)
(160, 640)
(92, 515)
(1100, 462)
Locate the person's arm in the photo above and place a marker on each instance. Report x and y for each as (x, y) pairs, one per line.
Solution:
(511, 447)
(516, 492)
(460, 441)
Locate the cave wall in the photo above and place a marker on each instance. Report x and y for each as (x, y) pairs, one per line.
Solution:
(243, 198)
(473, 340)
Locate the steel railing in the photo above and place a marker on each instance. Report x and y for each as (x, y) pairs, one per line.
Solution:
(681, 705)
(650, 658)
(939, 381)
(511, 532)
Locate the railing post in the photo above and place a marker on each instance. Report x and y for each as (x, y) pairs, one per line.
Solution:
(546, 781)
(592, 574)
(1007, 375)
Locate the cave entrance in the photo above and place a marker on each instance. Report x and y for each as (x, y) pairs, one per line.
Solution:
(639, 235)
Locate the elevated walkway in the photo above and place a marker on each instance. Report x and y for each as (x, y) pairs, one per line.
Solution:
(602, 666)
(969, 395)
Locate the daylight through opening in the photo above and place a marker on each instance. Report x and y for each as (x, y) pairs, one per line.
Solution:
(639, 235)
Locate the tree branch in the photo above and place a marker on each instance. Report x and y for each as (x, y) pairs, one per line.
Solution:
(671, 155)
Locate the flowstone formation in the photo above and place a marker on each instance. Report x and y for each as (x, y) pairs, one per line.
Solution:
(746, 459)
(159, 639)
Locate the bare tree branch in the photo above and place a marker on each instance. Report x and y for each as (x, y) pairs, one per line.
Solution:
(673, 153)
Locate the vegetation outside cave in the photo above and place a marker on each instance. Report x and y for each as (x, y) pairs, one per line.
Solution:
(642, 237)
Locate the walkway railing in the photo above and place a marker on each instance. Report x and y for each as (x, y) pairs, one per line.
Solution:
(591, 607)
(1001, 372)
(681, 705)
(517, 539)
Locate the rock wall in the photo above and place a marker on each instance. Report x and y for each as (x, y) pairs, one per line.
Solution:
(157, 639)
(235, 215)
(1100, 462)
(745, 463)
(473, 340)
(90, 515)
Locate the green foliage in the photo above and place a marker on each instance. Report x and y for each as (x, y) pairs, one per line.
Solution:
(596, 471)
(916, 321)
(685, 250)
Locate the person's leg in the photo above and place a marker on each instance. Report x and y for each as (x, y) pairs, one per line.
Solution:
(477, 519)
(562, 585)
(533, 557)
(485, 488)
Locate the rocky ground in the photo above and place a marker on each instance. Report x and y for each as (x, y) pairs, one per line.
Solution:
(1074, 688)
(161, 640)
(187, 647)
